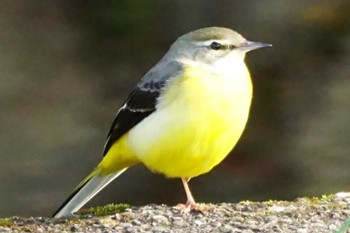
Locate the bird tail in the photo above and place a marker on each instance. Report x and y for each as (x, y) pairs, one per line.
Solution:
(86, 190)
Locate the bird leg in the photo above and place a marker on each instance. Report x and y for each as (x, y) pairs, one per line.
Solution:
(190, 203)
(190, 200)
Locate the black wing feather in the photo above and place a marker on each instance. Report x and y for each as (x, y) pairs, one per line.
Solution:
(142, 101)
(140, 104)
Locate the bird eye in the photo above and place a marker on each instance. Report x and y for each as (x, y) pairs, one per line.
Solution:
(215, 46)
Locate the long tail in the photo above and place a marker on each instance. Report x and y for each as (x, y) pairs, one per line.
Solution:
(86, 190)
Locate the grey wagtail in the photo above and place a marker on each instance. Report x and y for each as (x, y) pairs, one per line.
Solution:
(183, 117)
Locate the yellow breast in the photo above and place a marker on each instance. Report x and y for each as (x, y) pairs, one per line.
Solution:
(198, 120)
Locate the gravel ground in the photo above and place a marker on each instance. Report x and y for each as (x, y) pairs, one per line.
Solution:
(326, 214)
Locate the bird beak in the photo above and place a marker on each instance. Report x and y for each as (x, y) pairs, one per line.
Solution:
(251, 45)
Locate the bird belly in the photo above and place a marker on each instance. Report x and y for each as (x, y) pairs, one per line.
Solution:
(196, 125)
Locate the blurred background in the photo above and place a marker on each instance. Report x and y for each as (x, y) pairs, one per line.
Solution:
(67, 66)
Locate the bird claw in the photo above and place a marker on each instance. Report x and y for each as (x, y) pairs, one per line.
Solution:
(192, 207)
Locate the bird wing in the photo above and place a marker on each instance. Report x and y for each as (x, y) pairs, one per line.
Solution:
(142, 101)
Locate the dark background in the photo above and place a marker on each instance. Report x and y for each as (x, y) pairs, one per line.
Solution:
(67, 66)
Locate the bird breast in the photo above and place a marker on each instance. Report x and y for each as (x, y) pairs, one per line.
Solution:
(199, 118)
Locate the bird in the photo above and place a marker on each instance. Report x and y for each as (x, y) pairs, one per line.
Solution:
(183, 117)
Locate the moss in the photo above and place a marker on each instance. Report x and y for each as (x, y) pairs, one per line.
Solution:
(6, 222)
(327, 197)
(320, 200)
(272, 202)
(106, 210)
(267, 212)
(324, 200)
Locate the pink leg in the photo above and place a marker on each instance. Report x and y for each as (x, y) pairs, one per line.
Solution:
(190, 200)
(190, 203)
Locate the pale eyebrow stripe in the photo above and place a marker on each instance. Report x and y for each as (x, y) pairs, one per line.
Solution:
(224, 43)
(208, 42)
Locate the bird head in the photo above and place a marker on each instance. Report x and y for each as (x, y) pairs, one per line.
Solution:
(212, 45)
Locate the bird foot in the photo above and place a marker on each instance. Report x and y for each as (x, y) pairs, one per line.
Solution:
(192, 207)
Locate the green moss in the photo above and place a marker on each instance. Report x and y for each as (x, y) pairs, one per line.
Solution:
(327, 197)
(271, 202)
(5, 222)
(106, 210)
(267, 212)
(312, 200)
(324, 199)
